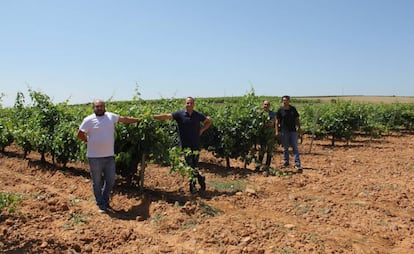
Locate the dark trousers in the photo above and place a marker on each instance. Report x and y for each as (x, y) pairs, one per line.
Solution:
(192, 161)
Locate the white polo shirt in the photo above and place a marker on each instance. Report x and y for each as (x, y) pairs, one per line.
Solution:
(100, 132)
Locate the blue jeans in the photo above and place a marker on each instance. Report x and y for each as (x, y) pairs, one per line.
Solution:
(103, 178)
(290, 138)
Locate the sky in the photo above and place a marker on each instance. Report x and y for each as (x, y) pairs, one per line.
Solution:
(79, 50)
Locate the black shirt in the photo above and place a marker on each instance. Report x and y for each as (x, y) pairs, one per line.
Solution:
(287, 118)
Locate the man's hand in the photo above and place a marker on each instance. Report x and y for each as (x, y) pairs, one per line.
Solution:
(82, 136)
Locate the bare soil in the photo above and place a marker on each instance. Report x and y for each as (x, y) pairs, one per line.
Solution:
(356, 198)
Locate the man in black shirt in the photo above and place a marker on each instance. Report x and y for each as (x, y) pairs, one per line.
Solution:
(287, 120)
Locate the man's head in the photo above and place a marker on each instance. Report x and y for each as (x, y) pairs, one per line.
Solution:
(99, 107)
(189, 104)
(286, 100)
(266, 106)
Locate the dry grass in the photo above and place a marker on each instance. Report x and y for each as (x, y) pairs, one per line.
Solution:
(367, 99)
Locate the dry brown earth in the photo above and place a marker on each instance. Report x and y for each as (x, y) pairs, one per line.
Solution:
(350, 199)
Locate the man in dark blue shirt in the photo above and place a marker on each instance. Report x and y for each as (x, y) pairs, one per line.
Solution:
(190, 128)
(267, 138)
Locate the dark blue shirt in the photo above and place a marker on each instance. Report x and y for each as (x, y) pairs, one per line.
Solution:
(189, 128)
(272, 115)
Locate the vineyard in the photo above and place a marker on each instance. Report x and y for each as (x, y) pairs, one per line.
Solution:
(345, 202)
(50, 129)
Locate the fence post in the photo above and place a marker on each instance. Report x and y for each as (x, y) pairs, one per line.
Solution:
(141, 174)
(313, 131)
